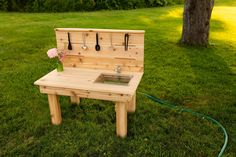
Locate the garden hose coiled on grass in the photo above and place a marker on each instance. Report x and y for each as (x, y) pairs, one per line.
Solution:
(173, 106)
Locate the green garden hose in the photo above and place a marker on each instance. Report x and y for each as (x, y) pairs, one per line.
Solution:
(170, 105)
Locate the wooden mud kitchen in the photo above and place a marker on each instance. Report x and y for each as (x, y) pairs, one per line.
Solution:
(104, 64)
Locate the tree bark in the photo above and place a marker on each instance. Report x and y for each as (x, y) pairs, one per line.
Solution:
(196, 22)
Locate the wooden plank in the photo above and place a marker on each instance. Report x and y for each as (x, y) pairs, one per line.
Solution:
(55, 109)
(86, 94)
(131, 106)
(104, 38)
(74, 99)
(135, 52)
(103, 63)
(84, 79)
(121, 119)
(99, 30)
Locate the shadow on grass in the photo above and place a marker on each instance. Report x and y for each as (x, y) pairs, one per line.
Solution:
(211, 71)
(217, 26)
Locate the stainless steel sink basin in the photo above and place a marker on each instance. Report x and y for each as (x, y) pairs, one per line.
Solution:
(116, 79)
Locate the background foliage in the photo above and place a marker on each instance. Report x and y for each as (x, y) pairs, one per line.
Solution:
(79, 5)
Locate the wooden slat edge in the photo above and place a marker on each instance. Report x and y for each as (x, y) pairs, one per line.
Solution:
(86, 94)
(99, 30)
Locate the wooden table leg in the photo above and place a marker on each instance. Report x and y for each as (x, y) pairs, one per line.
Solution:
(131, 106)
(121, 119)
(75, 100)
(55, 109)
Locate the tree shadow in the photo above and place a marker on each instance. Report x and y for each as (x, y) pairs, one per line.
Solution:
(212, 73)
(217, 26)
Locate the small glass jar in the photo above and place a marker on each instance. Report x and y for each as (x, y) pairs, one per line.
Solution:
(60, 66)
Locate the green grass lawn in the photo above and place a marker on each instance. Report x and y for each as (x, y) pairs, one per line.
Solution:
(202, 79)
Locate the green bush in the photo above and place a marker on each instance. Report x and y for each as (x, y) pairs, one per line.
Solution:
(3, 5)
(79, 5)
(88, 5)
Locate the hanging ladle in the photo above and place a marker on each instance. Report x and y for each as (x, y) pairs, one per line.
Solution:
(97, 46)
(126, 41)
(84, 47)
(69, 42)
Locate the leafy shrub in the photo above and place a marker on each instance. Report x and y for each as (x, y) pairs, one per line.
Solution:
(88, 5)
(3, 5)
(79, 5)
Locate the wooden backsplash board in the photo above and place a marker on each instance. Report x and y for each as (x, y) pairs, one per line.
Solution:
(112, 51)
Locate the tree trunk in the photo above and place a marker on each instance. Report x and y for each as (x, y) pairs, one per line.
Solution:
(196, 22)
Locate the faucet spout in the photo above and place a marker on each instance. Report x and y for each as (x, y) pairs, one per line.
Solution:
(118, 69)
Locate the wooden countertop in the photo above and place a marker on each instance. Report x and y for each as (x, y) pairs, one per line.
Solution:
(84, 79)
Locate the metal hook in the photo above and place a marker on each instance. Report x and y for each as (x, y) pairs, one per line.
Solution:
(84, 42)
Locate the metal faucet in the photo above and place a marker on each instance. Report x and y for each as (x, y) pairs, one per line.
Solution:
(118, 69)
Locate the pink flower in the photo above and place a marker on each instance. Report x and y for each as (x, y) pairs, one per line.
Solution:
(52, 53)
(62, 56)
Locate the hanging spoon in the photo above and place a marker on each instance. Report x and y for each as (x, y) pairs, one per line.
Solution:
(97, 46)
(84, 47)
(69, 42)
